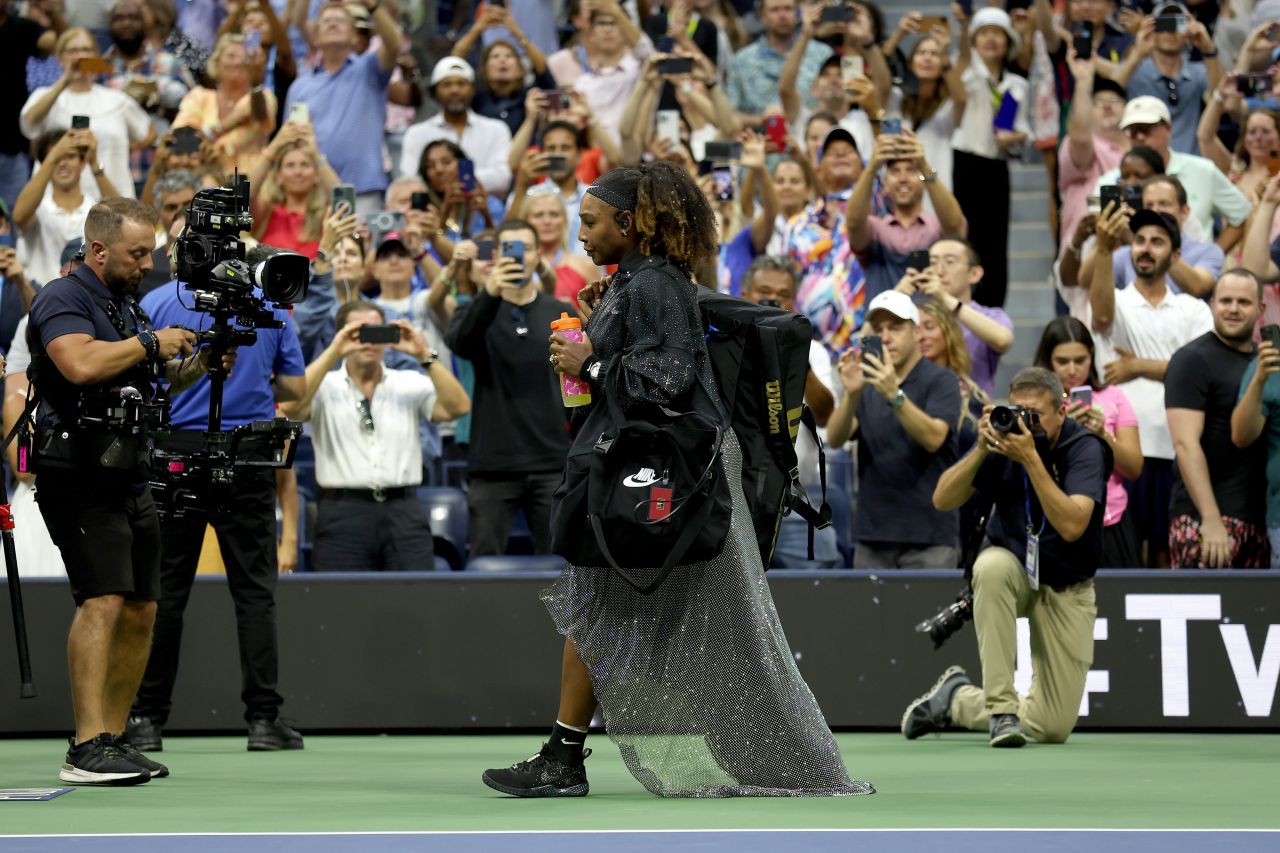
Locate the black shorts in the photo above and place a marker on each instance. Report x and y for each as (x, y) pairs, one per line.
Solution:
(109, 538)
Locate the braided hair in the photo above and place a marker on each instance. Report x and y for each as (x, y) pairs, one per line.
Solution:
(672, 216)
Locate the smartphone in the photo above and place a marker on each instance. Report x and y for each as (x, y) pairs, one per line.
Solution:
(1273, 162)
(186, 140)
(837, 13)
(1171, 23)
(384, 222)
(556, 164)
(1082, 39)
(667, 123)
(775, 128)
(918, 260)
(1112, 194)
(1007, 113)
(6, 240)
(467, 175)
(666, 44)
(484, 250)
(1132, 196)
(345, 194)
(1253, 84)
(872, 345)
(1082, 394)
(419, 201)
(557, 99)
(1273, 33)
(675, 65)
(93, 65)
(299, 112)
(1271, 333)
(722, 178)
(513, 249)
(371, 333)
(966, 6)
(79, 122)
(720, 151)
(891, 126)
(252, 41)
(928, 22)
(852, 67)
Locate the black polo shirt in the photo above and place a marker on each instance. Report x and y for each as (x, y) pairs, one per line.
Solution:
(1079, 467)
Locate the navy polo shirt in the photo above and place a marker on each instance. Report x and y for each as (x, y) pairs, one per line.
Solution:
(247, 395)
(63, 307)
(896, 475)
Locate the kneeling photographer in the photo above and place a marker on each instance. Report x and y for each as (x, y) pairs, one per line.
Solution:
(1045, 477)
(269, 369)
(94, 362)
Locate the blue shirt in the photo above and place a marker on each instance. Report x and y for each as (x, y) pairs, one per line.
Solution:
(349, 111)
(247, 396)
(735, 257)
(1197, 254)
(754, 73)
(1189, 87)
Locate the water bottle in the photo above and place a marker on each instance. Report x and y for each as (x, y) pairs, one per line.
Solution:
(574, 391)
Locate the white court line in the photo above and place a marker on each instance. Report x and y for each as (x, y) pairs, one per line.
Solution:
(427, 832)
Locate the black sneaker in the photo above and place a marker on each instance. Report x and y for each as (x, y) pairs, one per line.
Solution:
(100, 762)
(932, 711)
(1005, 731)
(272, 735)
(126, 747)
(542, 775)
(144, 734)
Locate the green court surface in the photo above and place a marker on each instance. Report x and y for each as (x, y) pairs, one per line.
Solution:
(402, 783)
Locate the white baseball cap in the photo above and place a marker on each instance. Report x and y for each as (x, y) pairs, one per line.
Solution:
(1145, 109)
(452, 66)
(896, 303)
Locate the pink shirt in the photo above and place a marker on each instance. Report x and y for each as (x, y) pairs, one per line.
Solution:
(1116, 413)
(1075, 183)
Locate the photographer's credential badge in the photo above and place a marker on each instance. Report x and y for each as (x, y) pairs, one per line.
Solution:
(1031, 565)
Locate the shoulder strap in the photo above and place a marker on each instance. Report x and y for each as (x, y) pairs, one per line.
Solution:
(24, 420)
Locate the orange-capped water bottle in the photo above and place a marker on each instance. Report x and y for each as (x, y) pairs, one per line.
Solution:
(574, 391)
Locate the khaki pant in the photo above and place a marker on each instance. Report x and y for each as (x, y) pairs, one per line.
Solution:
(1061, 649)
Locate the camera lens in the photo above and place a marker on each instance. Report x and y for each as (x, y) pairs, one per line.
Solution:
(1003, 419)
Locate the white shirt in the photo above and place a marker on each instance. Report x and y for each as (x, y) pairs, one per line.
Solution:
(114, 118)
(40, 245)
(1209, 191)
(1154, 332)
(485, 141)
(975, 135)
(806, 449)
(348, 456)
(934, 134)
(18, 359)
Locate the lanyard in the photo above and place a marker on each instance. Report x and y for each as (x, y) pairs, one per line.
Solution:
(1026, 503)
(693, 24)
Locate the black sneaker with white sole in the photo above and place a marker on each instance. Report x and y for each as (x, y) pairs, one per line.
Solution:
(1006, 732)
(541, 775)
(932, 711)
(126, 747)
(100, 762)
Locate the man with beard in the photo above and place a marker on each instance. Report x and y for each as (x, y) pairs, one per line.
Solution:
(347, 98)
(1219, 506)
(156, 79)
(884, 244)
(1146, 324)
(484, 140)
(831, 279)
(559, 139)
(90, 344)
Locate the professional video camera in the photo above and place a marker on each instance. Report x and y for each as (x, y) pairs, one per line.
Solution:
(240, 298)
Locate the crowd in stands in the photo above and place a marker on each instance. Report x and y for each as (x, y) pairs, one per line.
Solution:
(430, 158)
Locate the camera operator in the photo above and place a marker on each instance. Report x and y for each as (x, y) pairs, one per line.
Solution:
(1046, 475)
(90, 340)
(270, 371)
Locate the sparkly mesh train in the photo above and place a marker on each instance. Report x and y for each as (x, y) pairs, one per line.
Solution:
(696, 681)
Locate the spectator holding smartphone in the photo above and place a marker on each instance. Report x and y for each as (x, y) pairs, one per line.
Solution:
(52, 209)
(291, 187)
(1094, 145)
(118, 123)
(1067, 349)
(1258, 411)
(1251, 163)
(238, 115)
(484, 140)
(464, 207)
(565, 141)
(500, 84)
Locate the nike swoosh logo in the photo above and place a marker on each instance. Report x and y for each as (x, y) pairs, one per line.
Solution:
(641, 478)
(571, 742)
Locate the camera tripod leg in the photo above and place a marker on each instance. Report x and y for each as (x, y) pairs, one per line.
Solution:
(15, 602)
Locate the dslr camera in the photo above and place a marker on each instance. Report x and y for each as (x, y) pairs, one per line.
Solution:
(1005, 419)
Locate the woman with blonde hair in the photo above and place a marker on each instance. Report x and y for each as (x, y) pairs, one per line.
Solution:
(238, 115)
(544, 209)
(291, 187)
(117, 122)
(941, 341)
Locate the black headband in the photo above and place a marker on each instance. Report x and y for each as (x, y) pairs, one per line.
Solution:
(613, 197)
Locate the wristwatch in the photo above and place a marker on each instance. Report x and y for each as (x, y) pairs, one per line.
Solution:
(98, 170)
(432, 358)
(898, 400)
(150, 343)
(930, 178)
